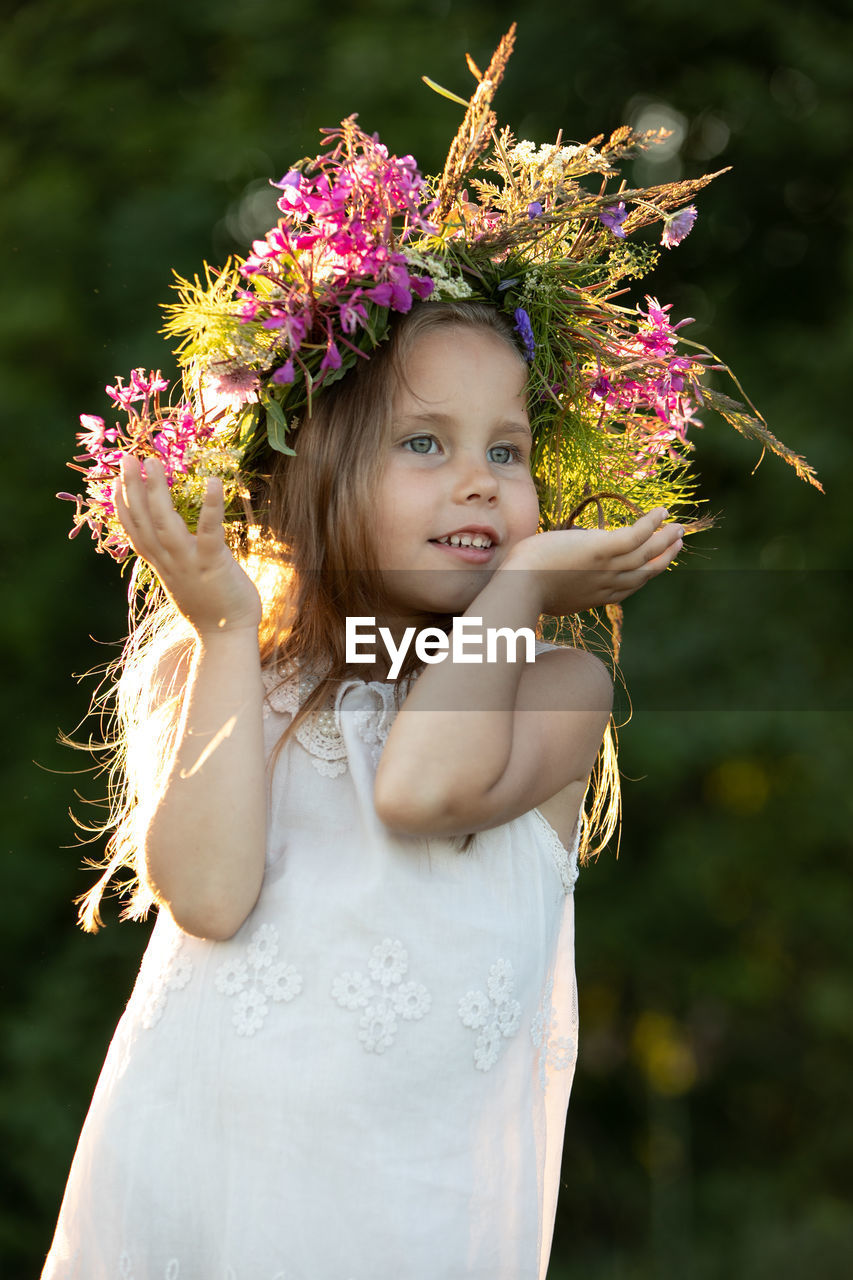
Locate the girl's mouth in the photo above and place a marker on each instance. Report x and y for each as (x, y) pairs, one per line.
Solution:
(472, 546)
(465, 540)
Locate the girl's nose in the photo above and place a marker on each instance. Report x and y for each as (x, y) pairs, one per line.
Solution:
(475, 480)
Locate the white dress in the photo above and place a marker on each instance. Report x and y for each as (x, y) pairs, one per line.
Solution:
(369, 1081)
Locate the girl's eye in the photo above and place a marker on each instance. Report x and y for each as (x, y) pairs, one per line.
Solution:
(420, 444)
(504, 453)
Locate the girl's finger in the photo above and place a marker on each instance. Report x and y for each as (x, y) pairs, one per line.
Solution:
(167, 524)
(209, 528)
(656, 542)
(632, 579)
(147, 507)
(664, 557)
(129, 494)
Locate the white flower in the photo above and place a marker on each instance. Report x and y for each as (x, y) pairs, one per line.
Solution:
(412, 1000)
(551, 160)
(501, 980)
(351, 990)
(508, 1017)
(446, 285)
(383, 995)
(497, 1015)
(250, 1010)
(474, 1009)
(388, 962)
(282, 982)
(378, 1026)
(254, 980)
(263, 948)
(488, 1047)
(231, 976)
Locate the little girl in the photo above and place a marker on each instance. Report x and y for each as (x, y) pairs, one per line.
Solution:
(349, 1050)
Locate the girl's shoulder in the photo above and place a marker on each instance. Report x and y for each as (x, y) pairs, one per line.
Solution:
(577, 678)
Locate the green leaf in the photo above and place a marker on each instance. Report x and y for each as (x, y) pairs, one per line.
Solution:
(348, 359)
(276, 426)
(445, 93)
(248, 425)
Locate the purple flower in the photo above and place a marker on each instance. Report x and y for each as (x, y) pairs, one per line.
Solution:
(534, 209)
(381, 294)
(332, 358)
(677, 226)
(614, 217)
(352, 313)
(284, 374)
(421, 286)
(291, 179)
(525, 331)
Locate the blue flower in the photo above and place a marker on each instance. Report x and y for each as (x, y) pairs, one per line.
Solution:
(614, 217)
(678, 225)
(525, 332)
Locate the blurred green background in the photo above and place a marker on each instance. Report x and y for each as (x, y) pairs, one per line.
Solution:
(710, 1132)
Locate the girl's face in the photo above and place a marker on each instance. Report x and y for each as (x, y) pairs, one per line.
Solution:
(456, 492)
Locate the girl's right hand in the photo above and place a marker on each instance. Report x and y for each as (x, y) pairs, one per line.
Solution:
(198, 571)
(579, 569)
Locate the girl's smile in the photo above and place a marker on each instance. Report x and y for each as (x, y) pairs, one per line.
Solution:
(475, 544)
(456, 492)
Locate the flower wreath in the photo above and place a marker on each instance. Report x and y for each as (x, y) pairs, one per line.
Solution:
(613, 389)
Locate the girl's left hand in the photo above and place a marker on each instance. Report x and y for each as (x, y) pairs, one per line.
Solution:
(578, 569)
(197, 570)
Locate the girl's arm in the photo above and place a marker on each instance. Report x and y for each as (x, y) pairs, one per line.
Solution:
(475, 745)
(203, 848)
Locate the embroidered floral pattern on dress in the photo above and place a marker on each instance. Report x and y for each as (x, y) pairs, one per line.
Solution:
(495, 1014)
(565, 862)
(254, 980)
(382, 995)
(165, 970)
(556, 1053)
(319, 734)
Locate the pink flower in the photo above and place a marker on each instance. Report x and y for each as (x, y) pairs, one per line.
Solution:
(95, 434)
(233, 388)
(381, 294)
(332, 358)
(353, 313)
(147, 385)
(421, 286)
(123, 396)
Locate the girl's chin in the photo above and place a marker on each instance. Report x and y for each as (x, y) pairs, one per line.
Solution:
(422, 592)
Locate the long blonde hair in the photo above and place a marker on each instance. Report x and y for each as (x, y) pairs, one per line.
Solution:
(312, 555)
